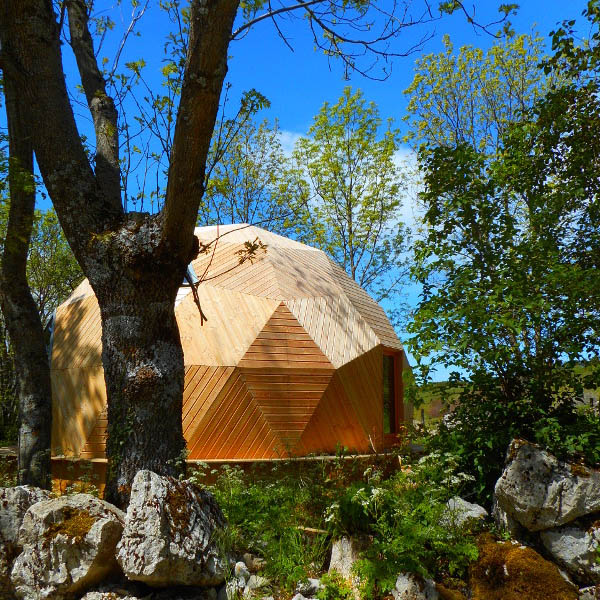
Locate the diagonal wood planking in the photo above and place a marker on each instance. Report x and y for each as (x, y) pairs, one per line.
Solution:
(286, 373)
(333, 423)
(232, 426)
(289, 362)
(336, 326)
(221, 340)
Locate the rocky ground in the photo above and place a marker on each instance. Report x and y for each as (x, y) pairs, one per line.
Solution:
(167, 544)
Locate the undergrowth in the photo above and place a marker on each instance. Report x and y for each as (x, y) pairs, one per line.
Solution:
(290, 513)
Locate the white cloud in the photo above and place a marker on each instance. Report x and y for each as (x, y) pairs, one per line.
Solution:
(412, 211)
(288, 140)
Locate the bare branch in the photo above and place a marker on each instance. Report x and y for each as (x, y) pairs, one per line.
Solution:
(100, 104)
(270, 14)
(135, 17)
(29, 35)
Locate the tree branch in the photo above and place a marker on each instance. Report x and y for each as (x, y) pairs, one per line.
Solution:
(29, 36)
(211, 23)
(271, 14)
(101, 105)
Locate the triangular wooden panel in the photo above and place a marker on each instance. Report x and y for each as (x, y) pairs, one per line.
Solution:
(284, 344)
(77, 337)
(335, 326)
(232, 427)
(369, 310)
(95, 446)
(223, 269)
(287, 400)
(238, 233)
(302, 273)
(234, 321)
(201, 388)
(362, 380)
(333, 423)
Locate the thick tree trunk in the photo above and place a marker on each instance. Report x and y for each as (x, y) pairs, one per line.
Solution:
(19, 309)
(142, 356)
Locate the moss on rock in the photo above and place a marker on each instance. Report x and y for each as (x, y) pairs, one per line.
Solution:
(507, 571)
(76, 524)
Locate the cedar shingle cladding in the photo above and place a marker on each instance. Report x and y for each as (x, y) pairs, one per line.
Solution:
(289, 361)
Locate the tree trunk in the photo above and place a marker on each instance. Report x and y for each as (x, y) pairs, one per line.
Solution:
(134, 262)
(141, 355)
(19, 309)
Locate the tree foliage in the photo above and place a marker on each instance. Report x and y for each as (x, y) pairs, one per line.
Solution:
(349, 159)
(508, 264)
(473, 95)
(250, 179)
(135, 261)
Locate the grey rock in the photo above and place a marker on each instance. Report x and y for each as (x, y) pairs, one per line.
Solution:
(68, 546)
(299, 597)
(110, 594)
(460, 513)
(590, 593)
(576, 550)
(14, 503)
(169, 534)
(255, 582)
(240, 570)
(505, 522)
(232, 590)
(254, 563)
(541, 492)
(309, 587)
(411, 587)
(345, 551)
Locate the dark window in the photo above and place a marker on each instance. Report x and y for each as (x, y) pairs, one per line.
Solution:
(389, 395)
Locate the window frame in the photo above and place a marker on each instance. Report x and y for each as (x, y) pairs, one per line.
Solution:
(389, 439)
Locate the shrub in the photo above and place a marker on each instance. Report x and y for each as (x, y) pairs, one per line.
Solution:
(483, 423)
(289, 515)
(335, 587)
(402, 516)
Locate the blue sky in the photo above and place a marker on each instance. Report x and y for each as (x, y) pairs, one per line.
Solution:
(298, 82)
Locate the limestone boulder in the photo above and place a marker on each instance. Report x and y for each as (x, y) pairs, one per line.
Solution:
(68, 546)
(590, 593)
(131, 591)
(505, 522)
(462, 514)
(345, 551)
(577, 550)
(309, 587)
(411, 587)
(169, 535)
(14, 503)
(541, 492)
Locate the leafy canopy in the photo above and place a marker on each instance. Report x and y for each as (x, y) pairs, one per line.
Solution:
(350, 161)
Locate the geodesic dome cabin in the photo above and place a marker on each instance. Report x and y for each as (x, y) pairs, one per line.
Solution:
(295, 358)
